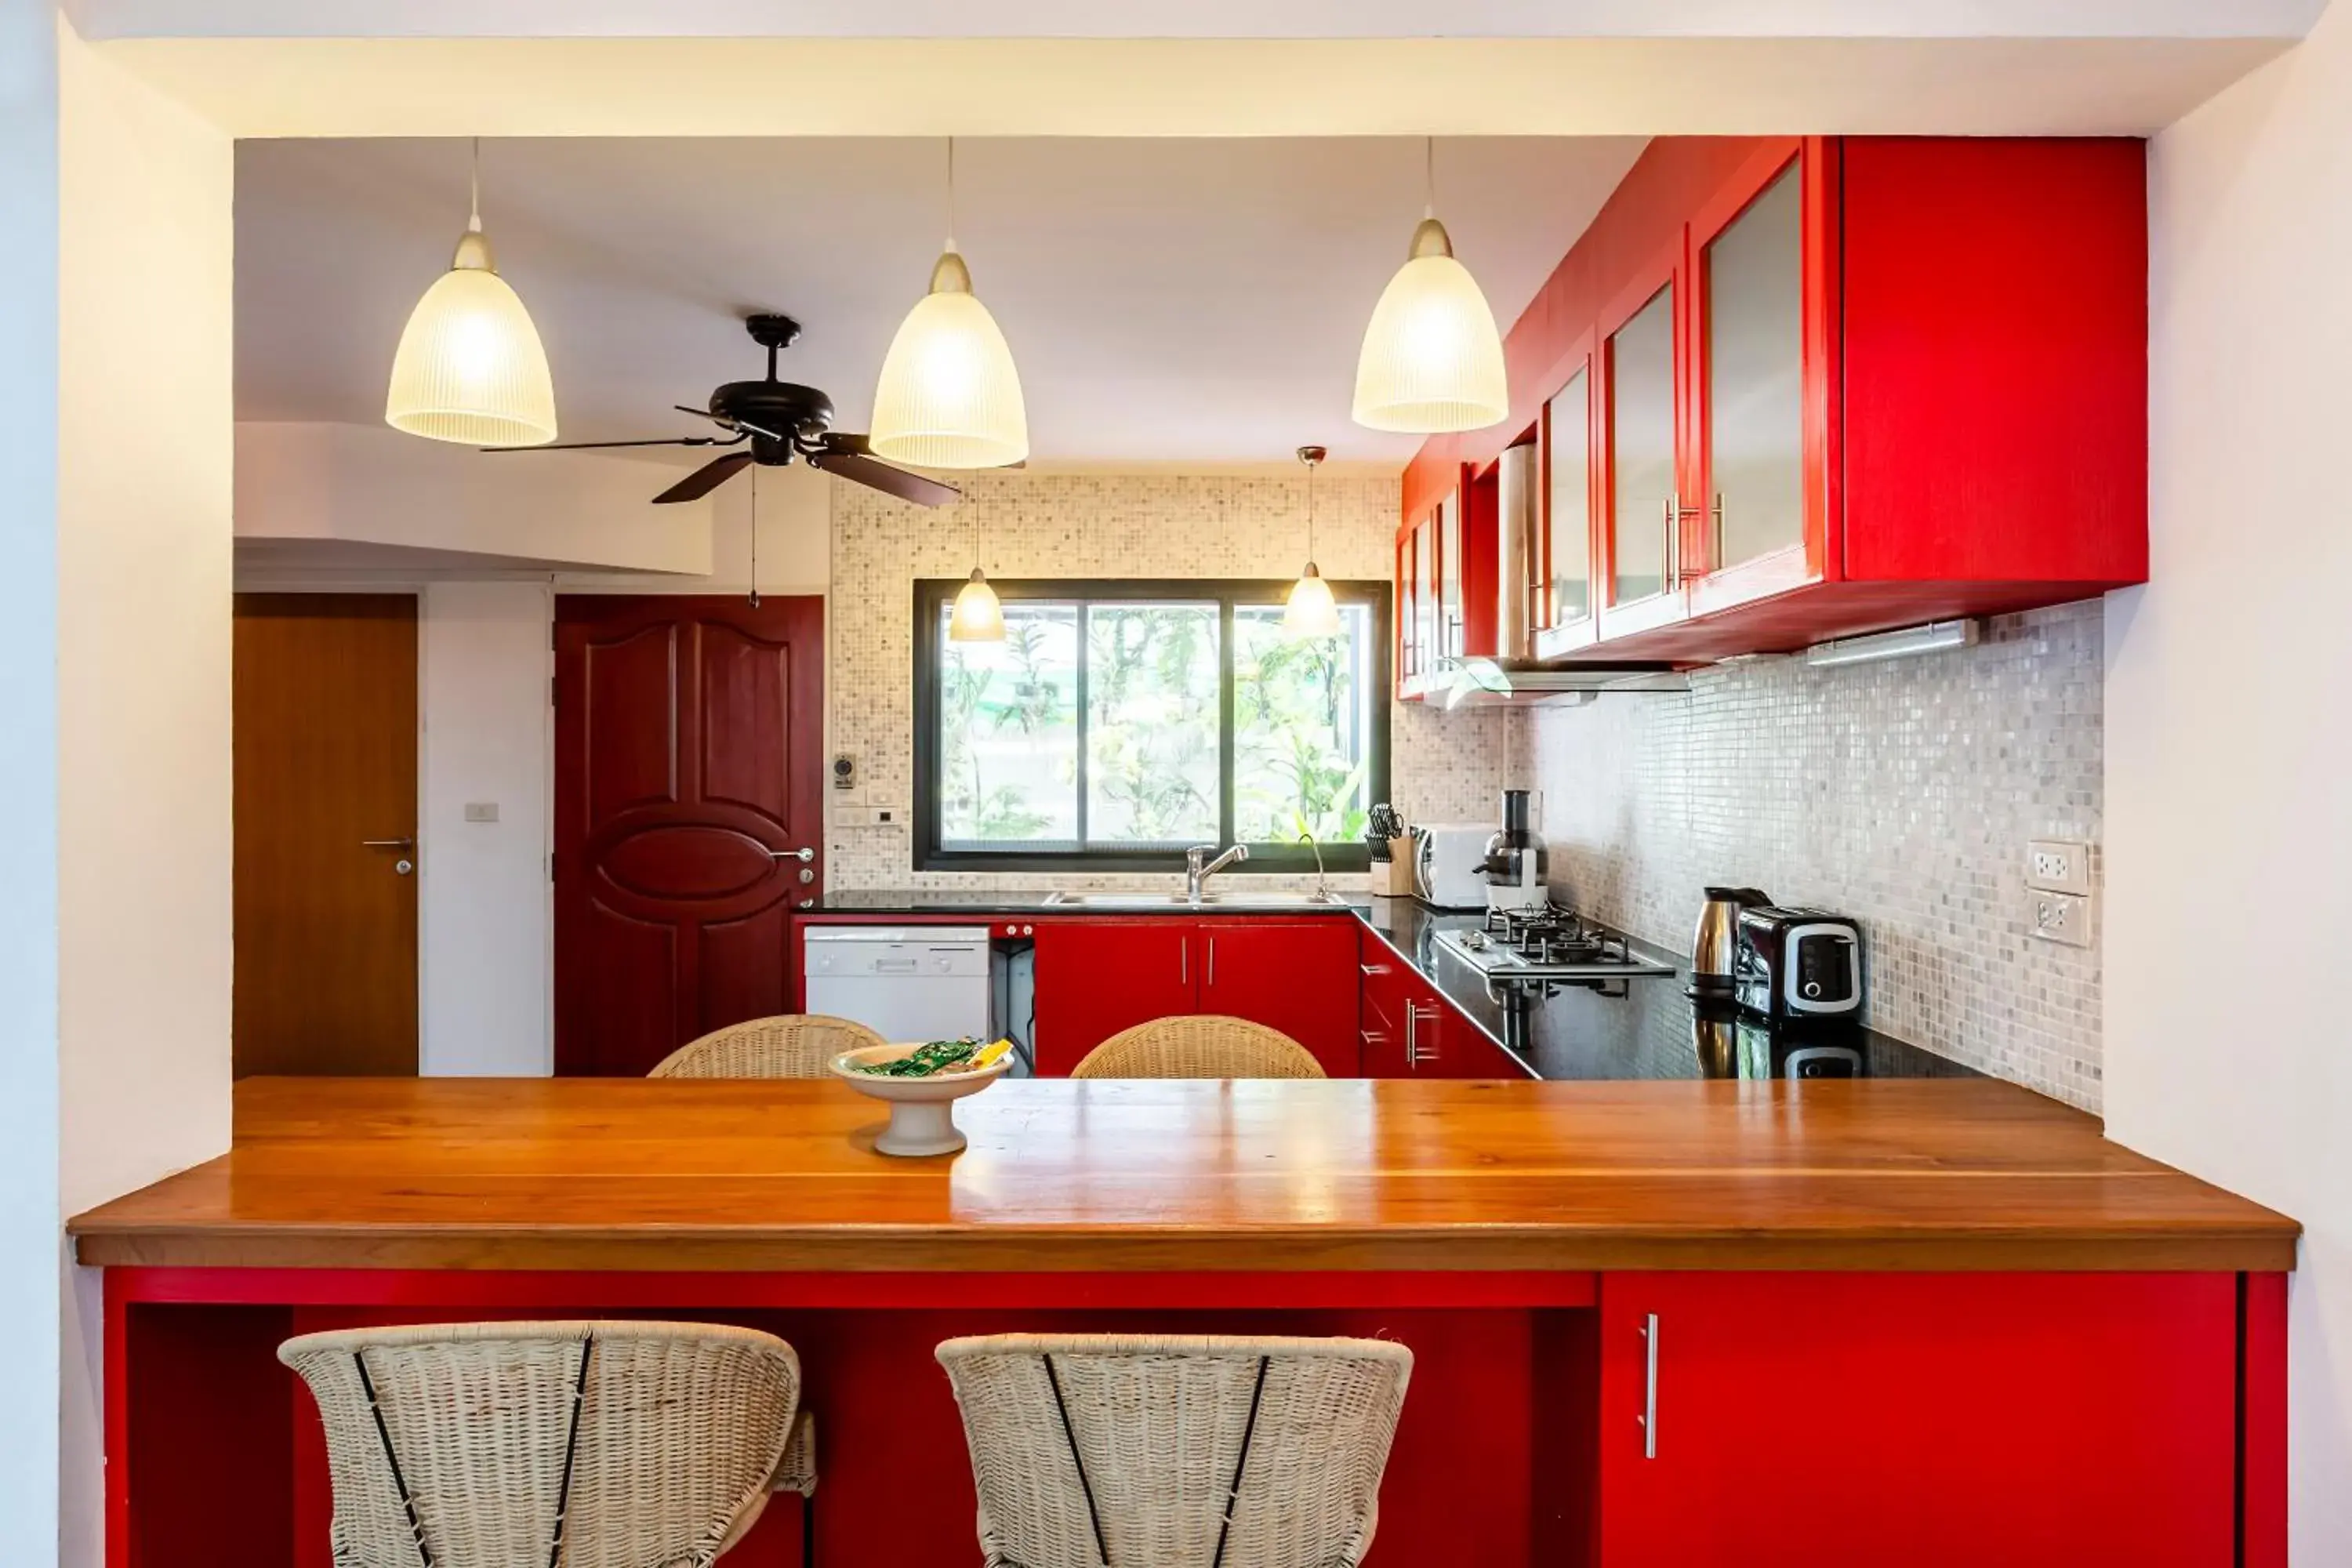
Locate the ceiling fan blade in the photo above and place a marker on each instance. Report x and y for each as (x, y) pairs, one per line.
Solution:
(703, 413)
(587, 446)
(859, 469)
(705, 479)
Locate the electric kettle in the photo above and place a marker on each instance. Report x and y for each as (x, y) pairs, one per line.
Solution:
(1718, 936)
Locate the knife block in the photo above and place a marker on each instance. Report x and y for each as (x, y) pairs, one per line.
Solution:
(1392, 878)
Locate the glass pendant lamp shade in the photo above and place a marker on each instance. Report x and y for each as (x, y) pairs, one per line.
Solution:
(470, 366)
(977, 616)
(1310, 611)
(949, 396)
(1432, 360)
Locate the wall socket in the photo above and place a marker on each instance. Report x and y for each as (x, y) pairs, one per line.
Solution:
(2058, 865)
(2063, 918)
(868, 815)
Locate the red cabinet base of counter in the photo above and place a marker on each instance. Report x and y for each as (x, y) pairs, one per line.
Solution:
(1934, 1420)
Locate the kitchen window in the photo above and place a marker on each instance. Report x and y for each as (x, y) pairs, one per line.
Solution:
(1120, 722)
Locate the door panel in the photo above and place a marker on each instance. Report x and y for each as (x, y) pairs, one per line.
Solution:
(1642, 457)
(1753, 345)
(1097, 977)
(688, 735)
(324, 721)
(1802, 1419)
(1297, 976)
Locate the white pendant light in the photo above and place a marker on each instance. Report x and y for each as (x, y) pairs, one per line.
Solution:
(949, 396)
(470, 368)
(977, 616)
(1310, 611)
(1432, 360)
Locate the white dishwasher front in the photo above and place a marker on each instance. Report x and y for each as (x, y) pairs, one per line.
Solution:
(904, 983)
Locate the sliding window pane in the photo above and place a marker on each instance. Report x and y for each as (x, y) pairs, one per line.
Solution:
(1152, 725)
(1302, 728)
(1009, 733)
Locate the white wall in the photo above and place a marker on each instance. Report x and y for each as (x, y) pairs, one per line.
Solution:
(28, 781)
(370, 485)
(483, 961)
(2229, 728)
(142, 670)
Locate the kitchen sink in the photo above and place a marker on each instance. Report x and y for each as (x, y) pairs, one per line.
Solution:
(1238, 899)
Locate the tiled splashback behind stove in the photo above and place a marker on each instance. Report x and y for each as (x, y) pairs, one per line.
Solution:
(1442, 767)
(1901, 793)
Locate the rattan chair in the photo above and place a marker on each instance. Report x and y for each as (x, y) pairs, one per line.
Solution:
(1199, 1045)
(604, 1444)
(794, 1044)
(1107, 1451)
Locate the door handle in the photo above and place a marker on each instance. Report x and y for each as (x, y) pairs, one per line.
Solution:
(1649, 1417)
(803, 855)
(387, 843)
(1211, 977)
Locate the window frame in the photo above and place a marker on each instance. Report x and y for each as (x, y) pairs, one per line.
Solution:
(934, 595)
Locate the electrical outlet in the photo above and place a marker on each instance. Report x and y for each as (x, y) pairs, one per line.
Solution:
(2063, 918)
(868, 815)
(2058, 865)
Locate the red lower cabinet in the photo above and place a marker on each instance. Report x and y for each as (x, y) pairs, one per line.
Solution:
(1935, 1421)
(1297, 976)
(1095, 978)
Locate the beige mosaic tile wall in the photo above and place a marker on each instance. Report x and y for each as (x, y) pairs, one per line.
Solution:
(1442, 767)
(1901, 793)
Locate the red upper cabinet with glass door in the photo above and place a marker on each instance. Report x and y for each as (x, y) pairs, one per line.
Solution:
(1563, 612)
(1834, 385)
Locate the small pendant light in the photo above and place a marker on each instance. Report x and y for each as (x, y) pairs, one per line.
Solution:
(949, 396)
(1432, 360)
(470, 368)
(1311, 612)
(977, 616)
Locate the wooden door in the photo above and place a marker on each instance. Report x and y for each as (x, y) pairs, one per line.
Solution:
(1095, 978)
(2035, 1420)
(1297, 976)
(323, 711)
(688, 761)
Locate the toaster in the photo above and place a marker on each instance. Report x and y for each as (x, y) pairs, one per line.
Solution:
(1449, 864)
(1797, 963)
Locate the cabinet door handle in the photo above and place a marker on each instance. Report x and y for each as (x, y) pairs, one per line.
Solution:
(1667, 545)
(1715, 549)
(1184, 961)
(1372, 969)
(1412, 1052)
(1211, 978)
(1649, 1387)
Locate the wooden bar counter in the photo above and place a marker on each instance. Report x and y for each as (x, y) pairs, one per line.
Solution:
(1926, 1320)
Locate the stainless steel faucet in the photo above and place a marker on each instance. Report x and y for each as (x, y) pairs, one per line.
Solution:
(1199, 868)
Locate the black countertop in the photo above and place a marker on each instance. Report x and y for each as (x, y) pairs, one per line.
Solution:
(1642, 1027)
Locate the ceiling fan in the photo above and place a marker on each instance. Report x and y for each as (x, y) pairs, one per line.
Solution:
(781, 420)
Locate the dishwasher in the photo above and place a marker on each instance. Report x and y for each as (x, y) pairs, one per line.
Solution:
(904, 983)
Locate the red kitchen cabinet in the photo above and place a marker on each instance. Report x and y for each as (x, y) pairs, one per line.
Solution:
(1095, 978)
(1834, 386)
(1937, 1421)
(1297, 976)
(1408, 1029)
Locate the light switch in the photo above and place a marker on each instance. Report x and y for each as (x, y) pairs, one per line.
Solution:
(481, 811)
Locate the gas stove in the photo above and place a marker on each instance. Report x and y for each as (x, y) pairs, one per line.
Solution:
(1546, 943)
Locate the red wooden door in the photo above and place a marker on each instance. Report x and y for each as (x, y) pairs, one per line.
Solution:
(1298, 977)
(688, 735)
(2033, 1420)
(1095, 978)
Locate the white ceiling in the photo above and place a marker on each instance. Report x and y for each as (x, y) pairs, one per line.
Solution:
(1172, 299)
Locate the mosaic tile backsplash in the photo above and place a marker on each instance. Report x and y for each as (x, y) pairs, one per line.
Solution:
(1442, 766)
(1901, 793)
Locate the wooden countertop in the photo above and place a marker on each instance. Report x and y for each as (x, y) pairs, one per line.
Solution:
(678, 1175)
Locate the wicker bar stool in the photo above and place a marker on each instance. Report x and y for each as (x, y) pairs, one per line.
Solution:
(1109, 1451)
(1199, 1045)
(792, 1045)
(589, 1444)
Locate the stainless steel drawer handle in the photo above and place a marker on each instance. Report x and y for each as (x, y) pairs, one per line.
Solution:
(1650, 1388)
